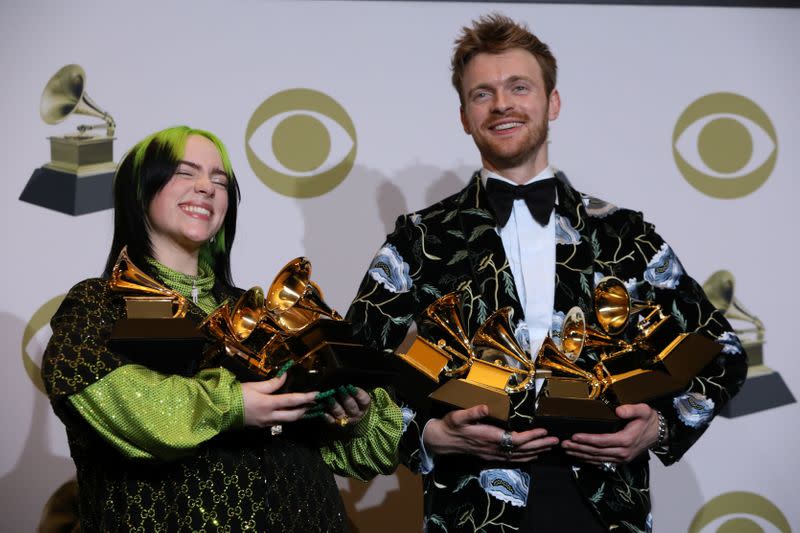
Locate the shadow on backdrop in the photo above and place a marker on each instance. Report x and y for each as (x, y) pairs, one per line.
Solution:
(37, 471)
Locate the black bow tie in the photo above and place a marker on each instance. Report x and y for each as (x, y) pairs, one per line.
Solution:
(540, 197)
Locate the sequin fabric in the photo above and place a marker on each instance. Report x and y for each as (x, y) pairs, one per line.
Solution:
(241, 480)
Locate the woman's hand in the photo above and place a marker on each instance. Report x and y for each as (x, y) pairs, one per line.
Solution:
(263, 408)
(348, 406)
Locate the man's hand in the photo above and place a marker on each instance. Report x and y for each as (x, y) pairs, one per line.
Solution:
(464, 431)
(639, 434)
(262, 407)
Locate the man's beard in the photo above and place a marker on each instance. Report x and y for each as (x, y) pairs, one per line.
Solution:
(527, 151)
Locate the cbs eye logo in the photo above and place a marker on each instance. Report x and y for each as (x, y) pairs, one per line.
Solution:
(725, 145)
(300, 143)
(34, 339)
(739, 512)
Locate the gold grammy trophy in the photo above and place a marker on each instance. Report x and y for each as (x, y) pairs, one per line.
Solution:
(425, 365)
(498, 366)
(155, 331)
(291, 323)
(79, 176)
(765, 387)
(658, 360)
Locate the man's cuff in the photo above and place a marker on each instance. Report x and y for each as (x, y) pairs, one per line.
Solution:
(426, 460)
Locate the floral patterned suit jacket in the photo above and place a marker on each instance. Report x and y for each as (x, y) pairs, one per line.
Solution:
(454, 245)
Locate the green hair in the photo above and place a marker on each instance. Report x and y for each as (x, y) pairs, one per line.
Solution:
(142, 173)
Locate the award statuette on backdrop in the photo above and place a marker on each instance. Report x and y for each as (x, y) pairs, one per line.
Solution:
(155, 331)
(291, 323)
(765, 387)
(79, 177)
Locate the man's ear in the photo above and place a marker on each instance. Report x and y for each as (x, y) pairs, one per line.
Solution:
(554, 107)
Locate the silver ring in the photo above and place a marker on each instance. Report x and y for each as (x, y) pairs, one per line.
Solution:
(505, 442)
(275, 430)
(608, 466)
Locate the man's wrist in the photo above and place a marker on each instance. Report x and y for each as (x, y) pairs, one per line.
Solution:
(661, 438)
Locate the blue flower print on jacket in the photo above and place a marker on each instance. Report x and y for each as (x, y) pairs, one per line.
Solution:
(389, 269)
(565, 233)
(731, 344)
(664, 270)
(556, 325)
(598, 208)
(694, 409)
(523, 335)
(508, 485)
(408, 417)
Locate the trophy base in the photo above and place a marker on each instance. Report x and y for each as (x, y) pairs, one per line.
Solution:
(563, 409)
(327, 356)
(412, 386)
(687, 355)
(462, 394)
(68, 192)
(667, 373)
(168, 345)
(764, 389)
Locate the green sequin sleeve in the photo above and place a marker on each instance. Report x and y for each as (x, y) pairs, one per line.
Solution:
(373, 448)
(151, 416)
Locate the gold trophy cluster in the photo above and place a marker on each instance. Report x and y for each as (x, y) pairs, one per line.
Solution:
(257, 335)
(634, 362)
(258, 329)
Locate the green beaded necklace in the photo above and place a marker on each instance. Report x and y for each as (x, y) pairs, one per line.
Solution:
(196, 288)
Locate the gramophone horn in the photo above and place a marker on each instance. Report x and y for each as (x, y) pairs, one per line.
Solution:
(443, 323)
(575, 335)
(294, 299)
(614, 306)
(249, 313)
(496, 338)
(719, 289)
(550, 357)
(127, 277)
(65, 95)
(218, 325)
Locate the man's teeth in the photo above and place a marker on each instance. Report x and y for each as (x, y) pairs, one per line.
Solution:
(197, 209)
(507, 126)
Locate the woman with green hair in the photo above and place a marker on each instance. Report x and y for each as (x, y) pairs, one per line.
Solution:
(161, 452)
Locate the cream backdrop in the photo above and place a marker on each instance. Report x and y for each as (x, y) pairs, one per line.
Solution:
(626, 75)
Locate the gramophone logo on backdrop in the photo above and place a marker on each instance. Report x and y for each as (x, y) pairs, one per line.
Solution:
(725, 145)
(79, 177)
(765, 387)
(300, 143)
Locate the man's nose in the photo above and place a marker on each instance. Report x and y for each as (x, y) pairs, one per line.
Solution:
(502, 103)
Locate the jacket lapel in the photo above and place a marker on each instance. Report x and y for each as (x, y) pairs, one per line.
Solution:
(493, 284)
(575, 252)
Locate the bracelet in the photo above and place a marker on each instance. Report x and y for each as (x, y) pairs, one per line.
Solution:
(662, 432)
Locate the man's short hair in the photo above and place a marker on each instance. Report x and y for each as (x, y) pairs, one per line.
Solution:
(494, 34)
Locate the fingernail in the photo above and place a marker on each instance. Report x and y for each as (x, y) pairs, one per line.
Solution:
(325, 394)
(286, 366)
(352, 390)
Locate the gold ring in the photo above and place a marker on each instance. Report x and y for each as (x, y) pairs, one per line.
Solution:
(342, 421)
